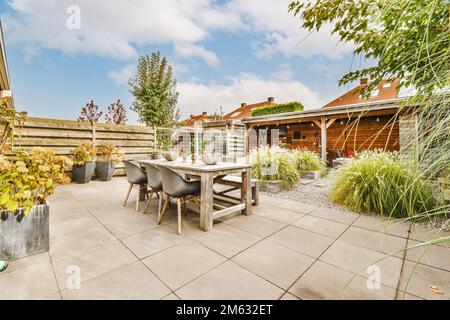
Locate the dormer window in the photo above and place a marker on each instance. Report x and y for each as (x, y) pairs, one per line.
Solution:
(387, 85)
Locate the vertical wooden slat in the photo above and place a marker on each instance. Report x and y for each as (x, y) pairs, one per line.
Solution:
(206, 206)
(246, 191)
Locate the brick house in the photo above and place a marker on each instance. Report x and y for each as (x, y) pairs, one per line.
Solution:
(245, 110)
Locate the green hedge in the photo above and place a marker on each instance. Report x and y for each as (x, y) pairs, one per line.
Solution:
(279, 108)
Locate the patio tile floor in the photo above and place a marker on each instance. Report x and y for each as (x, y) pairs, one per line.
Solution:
(285, 250)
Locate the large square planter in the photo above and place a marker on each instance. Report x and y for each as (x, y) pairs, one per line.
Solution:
(83, 173)
(311, 175)
(271, 186)
(104, 170)
(21, 235)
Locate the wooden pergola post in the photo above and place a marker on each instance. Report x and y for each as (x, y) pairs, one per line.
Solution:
(323, 136)
(324, 124)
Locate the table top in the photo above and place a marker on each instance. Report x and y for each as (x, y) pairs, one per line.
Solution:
(199, 167)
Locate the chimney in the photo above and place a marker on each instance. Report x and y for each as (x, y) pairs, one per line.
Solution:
(364, 81)
(243, 104)
(204, 113)
(192, 116)
(270, 99)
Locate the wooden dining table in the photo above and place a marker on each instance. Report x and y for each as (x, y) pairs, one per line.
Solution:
(210, 174)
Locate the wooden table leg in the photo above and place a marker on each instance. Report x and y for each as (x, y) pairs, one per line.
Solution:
(246, 191)
(142, 192)
(206, 201)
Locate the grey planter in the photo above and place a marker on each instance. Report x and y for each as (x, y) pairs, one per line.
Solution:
(21, 235)
(271, 186)
(83, 173)
(311, 175)
(104, 170)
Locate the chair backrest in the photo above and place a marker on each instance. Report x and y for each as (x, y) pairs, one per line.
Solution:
(172, 182)
(137, 159)
(134, 173)
(153, 176)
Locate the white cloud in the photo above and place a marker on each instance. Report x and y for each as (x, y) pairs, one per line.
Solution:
(282, 31)
(285, 73)
(191, 50)
(196, 98)
(115, 28)
(122, 76)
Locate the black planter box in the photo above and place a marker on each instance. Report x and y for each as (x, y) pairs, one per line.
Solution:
(104, 170)
(22, 236)
(83, 173)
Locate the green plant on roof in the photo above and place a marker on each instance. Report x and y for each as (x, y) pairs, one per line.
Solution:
(278, 108)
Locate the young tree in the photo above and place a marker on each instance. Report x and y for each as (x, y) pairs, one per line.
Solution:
(154, 91)
(90, 113)
(116, 113)
(409, 39)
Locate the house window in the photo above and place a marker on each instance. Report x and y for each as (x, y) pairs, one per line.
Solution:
(297, 134)
(386, 85)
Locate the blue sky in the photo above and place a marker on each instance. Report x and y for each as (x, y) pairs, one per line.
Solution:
(223, 53)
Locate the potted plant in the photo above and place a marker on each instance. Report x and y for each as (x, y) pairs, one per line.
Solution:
(83, 162)
(208, 152)
(107, 156)
(26, 181)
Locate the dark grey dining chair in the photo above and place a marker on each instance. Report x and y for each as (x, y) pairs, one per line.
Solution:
(175, 186)
(135, 176)
(155, 183)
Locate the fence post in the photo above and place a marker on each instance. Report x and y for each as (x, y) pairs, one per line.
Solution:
(94, 138)
(154, 137)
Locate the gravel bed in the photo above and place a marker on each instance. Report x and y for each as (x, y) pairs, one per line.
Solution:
(310, 192)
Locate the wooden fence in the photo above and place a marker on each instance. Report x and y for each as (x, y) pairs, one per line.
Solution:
(64, 135)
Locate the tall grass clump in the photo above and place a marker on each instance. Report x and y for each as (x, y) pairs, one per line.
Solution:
(274, 163)
(382, 183)
(309, 161)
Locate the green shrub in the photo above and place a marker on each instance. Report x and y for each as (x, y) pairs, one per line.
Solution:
(279, 108)
(382, 183)
(84, 152)
(29, 178)
(309, 161)
(274, 163)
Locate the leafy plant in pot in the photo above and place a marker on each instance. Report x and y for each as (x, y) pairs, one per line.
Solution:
(26, 181)
(83, 162)
(107, 157)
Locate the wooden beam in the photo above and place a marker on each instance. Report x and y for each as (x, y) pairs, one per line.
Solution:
(317, 123)
(229, 210)
(330, 122)
(323, 131)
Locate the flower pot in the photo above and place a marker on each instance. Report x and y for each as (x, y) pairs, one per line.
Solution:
(170, 155)
(104, 170)
(157, 155)
(275, 186)
(83, 173)
(21, 235)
